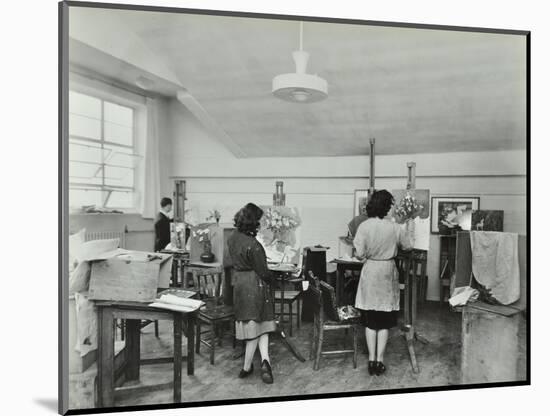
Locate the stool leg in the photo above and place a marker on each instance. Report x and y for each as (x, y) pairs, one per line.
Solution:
(354, 329)
(213, 343)
(233, 333)
(298, 313)
(290, 314)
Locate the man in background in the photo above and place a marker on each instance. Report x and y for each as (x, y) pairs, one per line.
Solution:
(162, 224)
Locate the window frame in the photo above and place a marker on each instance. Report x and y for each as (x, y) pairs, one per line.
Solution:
(103, 187)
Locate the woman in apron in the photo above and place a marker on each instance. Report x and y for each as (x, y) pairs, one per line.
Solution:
(377, 241)
(252, 296)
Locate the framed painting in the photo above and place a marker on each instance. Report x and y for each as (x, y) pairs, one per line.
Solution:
(452, 214)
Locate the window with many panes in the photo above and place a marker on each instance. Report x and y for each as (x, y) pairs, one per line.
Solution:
(102, 152)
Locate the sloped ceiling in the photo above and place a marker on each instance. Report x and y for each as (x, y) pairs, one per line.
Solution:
(415, 91)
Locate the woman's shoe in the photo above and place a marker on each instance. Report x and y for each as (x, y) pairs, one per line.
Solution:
(380, 368)
(372, 368)
(244, 373)
(267, 375)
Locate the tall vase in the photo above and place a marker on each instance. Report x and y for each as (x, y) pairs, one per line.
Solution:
(207, 256)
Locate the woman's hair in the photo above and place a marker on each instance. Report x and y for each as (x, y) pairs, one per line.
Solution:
(247, 220)
(379, 204)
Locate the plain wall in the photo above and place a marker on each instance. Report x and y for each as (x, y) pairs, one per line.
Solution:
(323, 188)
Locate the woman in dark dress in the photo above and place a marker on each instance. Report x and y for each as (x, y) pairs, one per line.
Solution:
(252, 298)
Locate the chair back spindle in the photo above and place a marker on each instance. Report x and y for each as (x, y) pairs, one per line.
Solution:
(208, 283)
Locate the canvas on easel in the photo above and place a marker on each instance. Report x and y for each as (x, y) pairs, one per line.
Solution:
(280, 233)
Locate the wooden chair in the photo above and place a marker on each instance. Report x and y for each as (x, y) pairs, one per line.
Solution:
(326, 318)
(208, 282)
(289, 298)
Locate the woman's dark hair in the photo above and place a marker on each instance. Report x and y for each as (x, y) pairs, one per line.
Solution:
(379, 204)
(247, 220)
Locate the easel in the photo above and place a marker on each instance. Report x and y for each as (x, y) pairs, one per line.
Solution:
(409, 265)
(372, 142)
(279, 200)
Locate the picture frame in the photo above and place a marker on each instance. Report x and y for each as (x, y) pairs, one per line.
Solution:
(360, 197)
(452, 213)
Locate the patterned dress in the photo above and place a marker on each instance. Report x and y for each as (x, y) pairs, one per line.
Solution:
(377, 241)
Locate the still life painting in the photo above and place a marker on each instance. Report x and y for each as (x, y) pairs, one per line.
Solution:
(280, 233)
(412, 208)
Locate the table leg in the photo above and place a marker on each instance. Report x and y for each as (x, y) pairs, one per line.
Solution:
(132, 348)
(183, 276)
(177, 357)
(191, 320)
(106, 352)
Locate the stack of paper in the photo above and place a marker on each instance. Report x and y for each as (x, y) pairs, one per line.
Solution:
(176, 303)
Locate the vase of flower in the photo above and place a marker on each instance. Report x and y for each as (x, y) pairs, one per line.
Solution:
(207, 256)
(202, 235)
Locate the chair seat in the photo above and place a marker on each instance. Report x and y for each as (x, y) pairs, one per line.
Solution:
(214, 312)
(289, 295)
(343, 324)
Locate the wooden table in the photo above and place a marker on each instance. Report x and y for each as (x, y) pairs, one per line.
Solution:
(127, 362)
(341, 267)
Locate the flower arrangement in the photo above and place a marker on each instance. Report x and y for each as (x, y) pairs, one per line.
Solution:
(408, 208)
(280, 225)
(202, 234)
(277, 222)
(214, 215)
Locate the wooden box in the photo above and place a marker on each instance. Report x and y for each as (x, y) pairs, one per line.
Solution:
(130, 277)
(489, 346)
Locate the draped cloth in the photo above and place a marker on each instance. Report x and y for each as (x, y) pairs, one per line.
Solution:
(151, 170)
(495, 264)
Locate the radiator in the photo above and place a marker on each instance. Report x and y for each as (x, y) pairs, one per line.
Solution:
(107, 235)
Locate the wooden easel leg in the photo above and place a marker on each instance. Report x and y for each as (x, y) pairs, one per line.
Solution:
(319, 348)
(409, 338)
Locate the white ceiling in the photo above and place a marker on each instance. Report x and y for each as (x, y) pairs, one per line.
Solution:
(415, 91)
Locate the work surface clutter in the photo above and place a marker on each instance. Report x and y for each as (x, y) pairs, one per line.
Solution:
(103, 275)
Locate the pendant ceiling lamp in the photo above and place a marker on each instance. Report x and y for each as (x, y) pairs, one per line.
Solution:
(300, 87)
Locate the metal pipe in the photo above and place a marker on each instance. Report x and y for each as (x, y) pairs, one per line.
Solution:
(411, 179)
(371, 174)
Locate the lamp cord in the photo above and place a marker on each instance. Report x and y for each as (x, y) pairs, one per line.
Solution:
(301, 34)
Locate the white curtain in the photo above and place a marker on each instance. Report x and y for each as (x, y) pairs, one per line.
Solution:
(150, 173)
